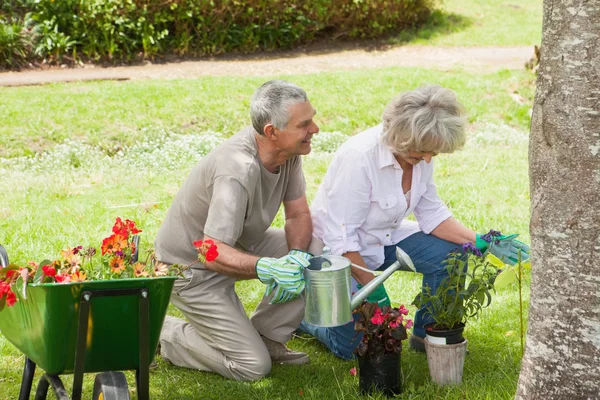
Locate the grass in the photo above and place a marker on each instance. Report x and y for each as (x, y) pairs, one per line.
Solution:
(113, 114)
(479, 23)
(123, 149)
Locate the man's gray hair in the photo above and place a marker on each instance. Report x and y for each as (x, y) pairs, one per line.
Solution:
(427, 119)
(271, 104)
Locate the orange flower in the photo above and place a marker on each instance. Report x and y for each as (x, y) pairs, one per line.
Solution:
(117, 265)
(70, 258)
(139, 270)
(78, 276)
(113, 244)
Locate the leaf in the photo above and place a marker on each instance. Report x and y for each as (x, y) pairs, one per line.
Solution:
(21, 287)
(495, 261)
(506, 278)
(2, 303)
(39, 273)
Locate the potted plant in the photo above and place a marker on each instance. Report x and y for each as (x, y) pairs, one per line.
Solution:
(378, 352)
(461, 296)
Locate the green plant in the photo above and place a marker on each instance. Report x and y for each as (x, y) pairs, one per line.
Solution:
(15, 44)
(464, 292)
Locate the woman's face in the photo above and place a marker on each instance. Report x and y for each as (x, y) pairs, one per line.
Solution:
(414, 157)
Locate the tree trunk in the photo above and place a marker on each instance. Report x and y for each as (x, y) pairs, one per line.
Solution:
(562, 356)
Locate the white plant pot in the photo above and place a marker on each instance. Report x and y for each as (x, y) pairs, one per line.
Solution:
(445, 361)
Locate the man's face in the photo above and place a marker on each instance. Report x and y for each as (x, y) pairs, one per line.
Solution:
(296, 136)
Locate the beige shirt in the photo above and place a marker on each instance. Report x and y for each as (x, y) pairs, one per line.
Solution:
(230, 196)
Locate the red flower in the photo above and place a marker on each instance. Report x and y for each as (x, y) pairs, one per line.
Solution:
(10, 273)
(48, 270)
(125, 228)
(4, 288)
(353, 371)
(62, 278)
(198, 244)
(212, 253)
(377, 317)
(11, 298)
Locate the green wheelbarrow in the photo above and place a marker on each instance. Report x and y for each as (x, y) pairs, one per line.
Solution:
(84, 327)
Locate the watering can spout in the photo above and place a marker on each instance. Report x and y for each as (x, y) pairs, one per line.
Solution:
(403, 263)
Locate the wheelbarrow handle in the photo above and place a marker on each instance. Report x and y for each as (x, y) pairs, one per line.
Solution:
(3, 257)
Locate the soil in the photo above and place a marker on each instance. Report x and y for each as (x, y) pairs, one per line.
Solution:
(306, 60)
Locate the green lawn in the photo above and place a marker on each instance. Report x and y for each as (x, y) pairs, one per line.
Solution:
(123, 148)
(480, 23)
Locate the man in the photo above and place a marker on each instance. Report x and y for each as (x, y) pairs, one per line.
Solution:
(231, 197)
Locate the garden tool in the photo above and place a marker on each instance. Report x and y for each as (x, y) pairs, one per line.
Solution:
(328, 293)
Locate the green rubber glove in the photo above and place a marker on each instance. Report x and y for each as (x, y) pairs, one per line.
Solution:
(379, 296)
(505, 247)
(283, 275)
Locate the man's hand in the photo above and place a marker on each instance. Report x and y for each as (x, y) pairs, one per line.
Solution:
(281, 295)
(505, 247)
(283, 275)
(379, 296)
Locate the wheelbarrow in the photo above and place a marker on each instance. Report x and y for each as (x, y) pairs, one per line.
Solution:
(84, 327)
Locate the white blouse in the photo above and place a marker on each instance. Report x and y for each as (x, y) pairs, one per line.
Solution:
(360, 205)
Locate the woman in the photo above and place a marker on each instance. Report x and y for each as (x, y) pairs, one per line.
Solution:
(376, 179)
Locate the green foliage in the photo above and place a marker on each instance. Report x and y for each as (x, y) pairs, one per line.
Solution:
(15, 44)
(462, 294)
(124, 30)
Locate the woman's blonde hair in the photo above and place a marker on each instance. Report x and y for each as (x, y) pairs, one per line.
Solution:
(427, 119)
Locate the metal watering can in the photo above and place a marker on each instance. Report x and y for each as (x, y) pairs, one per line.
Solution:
(328, 293)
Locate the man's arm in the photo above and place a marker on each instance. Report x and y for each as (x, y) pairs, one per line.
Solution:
(232, 262)
(298, 224)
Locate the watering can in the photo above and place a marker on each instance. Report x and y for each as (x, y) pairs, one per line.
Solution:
(328, 292)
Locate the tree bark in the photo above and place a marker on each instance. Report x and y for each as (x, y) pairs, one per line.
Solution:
(562, 356)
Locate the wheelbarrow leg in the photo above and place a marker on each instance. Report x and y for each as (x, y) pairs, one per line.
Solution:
(142, 374)
(27, 381)
(57, 387)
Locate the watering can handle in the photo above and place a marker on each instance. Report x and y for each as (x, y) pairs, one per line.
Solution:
(3, 257)
(403, 263)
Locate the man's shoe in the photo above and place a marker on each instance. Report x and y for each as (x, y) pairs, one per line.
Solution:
(417, 343)
(281, 354)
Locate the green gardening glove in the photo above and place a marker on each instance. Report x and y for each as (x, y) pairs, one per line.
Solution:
(286, 273)
(282, 295)
(379, 296)
(505, 247)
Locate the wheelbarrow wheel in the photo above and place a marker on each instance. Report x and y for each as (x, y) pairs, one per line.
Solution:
(110, 386)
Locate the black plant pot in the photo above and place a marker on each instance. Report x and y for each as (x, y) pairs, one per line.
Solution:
(380, 373)
(451, 336)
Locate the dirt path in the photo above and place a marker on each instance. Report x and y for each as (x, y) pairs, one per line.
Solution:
(484, 59)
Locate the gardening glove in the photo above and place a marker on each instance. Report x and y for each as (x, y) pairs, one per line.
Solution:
(286, 273)
(505, 247)
(379, 296)
(281, 295)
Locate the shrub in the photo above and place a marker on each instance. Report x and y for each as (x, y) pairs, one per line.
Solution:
(123, 30)
(15, 44)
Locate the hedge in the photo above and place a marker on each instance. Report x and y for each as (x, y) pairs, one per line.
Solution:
(126, 30)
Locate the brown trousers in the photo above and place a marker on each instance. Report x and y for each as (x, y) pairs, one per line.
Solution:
(218, 336)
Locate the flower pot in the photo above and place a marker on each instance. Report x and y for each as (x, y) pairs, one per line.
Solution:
(446, 361)
(449, 336)
(381, 373)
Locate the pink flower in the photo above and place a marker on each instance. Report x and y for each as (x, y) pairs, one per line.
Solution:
(353, 371)
(403, 310)
(393, 324)
(409, 324)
